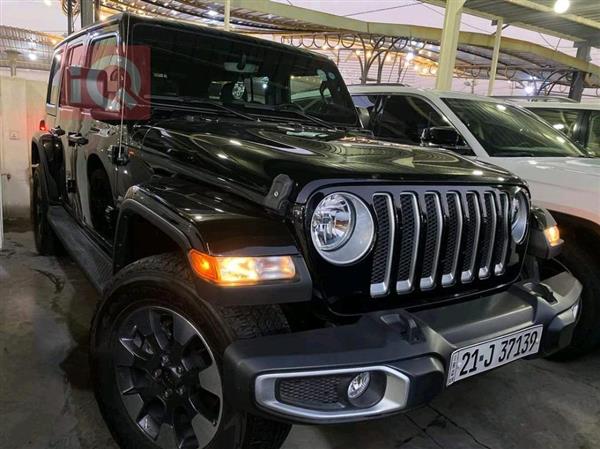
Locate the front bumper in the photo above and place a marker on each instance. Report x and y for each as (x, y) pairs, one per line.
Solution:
(407, 352)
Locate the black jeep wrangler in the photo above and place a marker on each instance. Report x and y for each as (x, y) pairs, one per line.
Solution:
(264, 262)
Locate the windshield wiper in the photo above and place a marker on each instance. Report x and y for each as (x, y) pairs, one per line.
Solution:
(291, 107)
(204, 101)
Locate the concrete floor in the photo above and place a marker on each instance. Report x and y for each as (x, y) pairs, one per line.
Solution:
(46, 402)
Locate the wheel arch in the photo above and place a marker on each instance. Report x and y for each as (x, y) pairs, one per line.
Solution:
(41, 143)
(138, 225)
(93, 162)
(169, 222)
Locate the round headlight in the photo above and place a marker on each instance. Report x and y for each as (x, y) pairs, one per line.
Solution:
(342, 228)
(519, 216)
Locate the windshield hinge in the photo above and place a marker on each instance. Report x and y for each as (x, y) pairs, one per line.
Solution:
(280, 190)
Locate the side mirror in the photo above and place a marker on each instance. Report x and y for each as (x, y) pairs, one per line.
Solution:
(110, 117)
(445, 137)
(439, 136)
(364, 116)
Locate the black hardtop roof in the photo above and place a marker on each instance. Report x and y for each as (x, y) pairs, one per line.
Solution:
(117, 19)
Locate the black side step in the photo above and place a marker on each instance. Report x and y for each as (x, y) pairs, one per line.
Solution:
(96, 264)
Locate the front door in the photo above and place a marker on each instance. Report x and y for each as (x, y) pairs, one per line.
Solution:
(95, 167)
(68, 125)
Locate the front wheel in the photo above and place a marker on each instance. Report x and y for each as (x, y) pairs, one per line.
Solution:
(585, 267)
(46, 242)
(156, 359)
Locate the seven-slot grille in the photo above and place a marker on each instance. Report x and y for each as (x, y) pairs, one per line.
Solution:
(430, 239)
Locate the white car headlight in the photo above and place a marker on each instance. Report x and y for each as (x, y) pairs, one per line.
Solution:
(519, 216)
(342, 228)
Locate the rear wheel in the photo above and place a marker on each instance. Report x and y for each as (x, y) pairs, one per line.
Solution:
(156, 355)
(585, 268)
(46, 242)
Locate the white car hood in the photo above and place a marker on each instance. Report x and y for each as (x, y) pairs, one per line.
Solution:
(563, 184)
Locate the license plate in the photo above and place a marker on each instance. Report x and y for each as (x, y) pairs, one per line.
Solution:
(475, 359)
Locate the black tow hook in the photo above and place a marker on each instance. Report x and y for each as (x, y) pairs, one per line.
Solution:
(405, 324)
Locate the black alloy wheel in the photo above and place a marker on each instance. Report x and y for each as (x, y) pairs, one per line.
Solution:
(168, 378)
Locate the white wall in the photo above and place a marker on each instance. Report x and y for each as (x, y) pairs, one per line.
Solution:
(36, 75)
(21, 109)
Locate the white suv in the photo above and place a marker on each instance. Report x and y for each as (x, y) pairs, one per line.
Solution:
(563, 178)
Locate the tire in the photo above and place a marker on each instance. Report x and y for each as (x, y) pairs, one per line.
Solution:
(162, 285)
(585, 268)
(46, 242)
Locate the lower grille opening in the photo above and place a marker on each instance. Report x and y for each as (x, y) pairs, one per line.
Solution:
(335, 392)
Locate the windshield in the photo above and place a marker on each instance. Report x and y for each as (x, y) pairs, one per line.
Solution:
(510, 131)
(250, 76)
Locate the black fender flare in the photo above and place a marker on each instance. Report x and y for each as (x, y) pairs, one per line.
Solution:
(41, 143)
(207, 236)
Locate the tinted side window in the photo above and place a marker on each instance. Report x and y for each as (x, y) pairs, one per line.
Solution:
(53, 81)
(75, 57)
(364, 101)
(404, 118)
(103, 53)
(593, 143)
(561, 119)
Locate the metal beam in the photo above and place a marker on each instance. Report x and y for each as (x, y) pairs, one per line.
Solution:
(449, 44)
(332, 22)
(547, 9)
(530, 26)
(495, 55)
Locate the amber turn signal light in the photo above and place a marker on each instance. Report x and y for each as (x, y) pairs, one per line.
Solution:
(225, 270)
(552, 235)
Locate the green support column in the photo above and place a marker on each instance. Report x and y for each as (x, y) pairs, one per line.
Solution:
(86, 12)
(227, 15)
(449, 44)
(576, 90)
(496, 53)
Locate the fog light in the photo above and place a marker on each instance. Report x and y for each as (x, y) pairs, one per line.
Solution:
(358, 385)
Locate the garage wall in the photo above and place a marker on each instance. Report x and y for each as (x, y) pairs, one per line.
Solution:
(21, 109)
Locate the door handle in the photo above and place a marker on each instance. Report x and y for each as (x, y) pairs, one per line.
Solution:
(58, 131)
(76, 139)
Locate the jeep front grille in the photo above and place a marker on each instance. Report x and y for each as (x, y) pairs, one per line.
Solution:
(429, 239)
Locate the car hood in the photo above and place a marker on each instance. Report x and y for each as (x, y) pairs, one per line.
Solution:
(556, 170)
(563, 184)
(252, 154)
